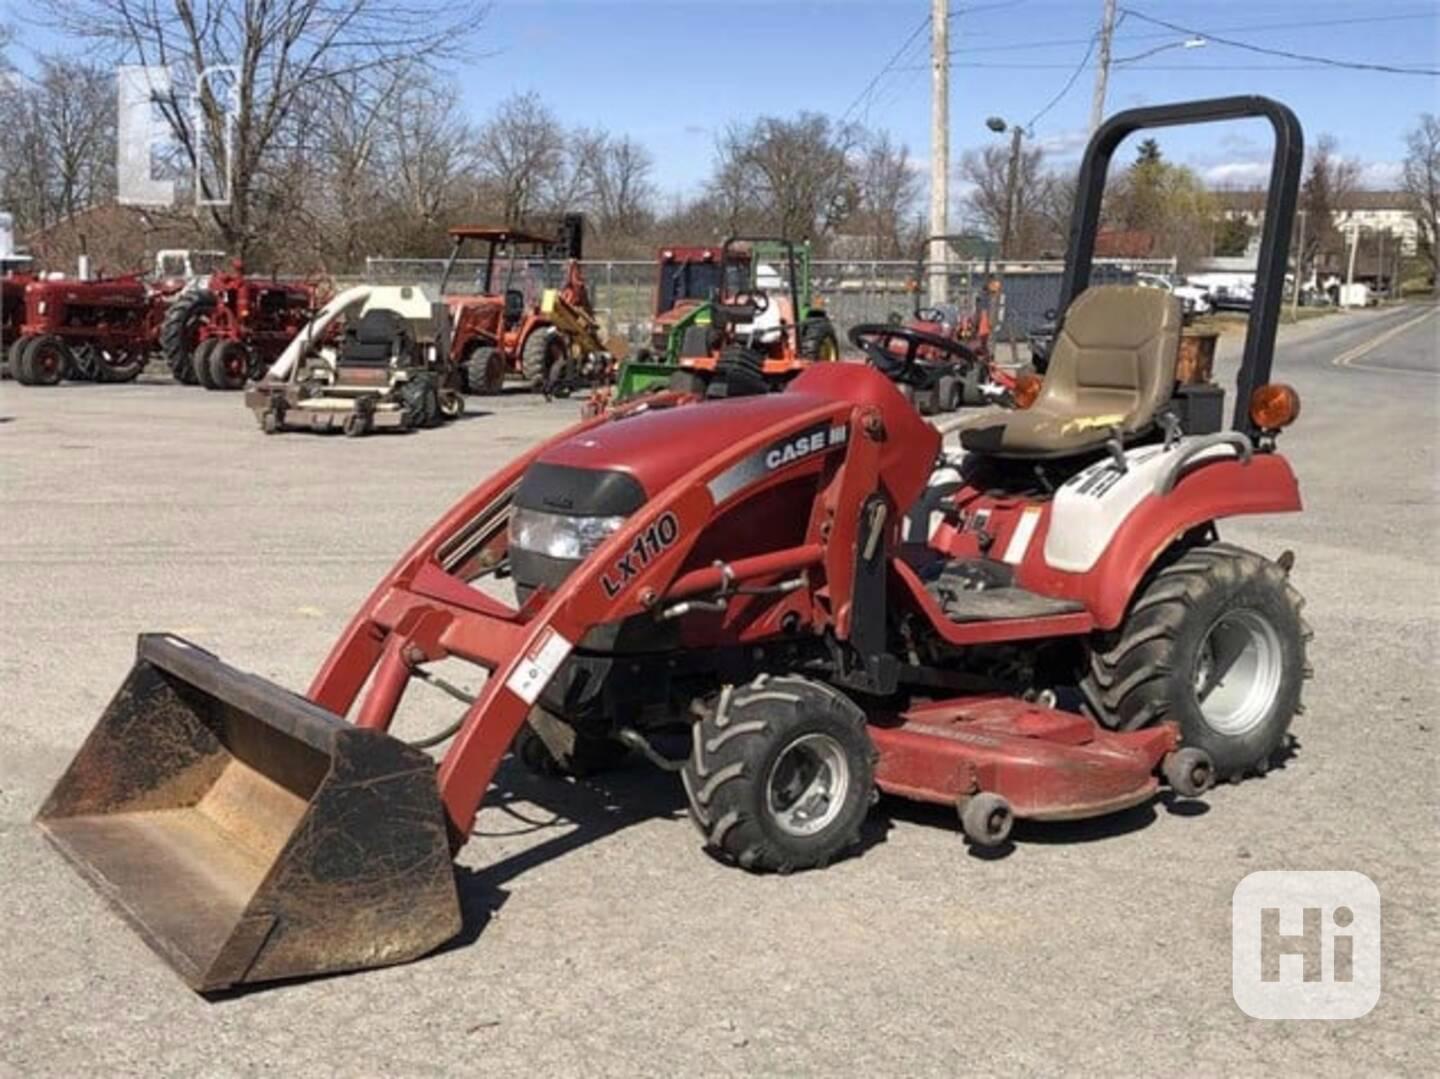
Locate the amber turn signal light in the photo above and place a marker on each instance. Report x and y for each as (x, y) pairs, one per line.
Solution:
(1274, 406)
(1027, 388)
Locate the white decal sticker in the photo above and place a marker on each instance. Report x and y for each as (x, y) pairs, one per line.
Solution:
(1020, 538)
(538, 666)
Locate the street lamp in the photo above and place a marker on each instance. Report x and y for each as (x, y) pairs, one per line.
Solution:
(1012, 178)
(1188, 43)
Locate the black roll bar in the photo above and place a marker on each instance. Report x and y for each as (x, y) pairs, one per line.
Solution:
(1280, 205)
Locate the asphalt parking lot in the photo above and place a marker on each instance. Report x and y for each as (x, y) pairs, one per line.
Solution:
(600, 939)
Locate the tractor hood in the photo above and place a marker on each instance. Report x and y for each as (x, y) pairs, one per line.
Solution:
(614, 468)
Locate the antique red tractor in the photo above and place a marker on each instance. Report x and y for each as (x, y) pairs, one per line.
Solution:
(791, 599)
(99, 330)
(12, 314)
(232, 326)
(524, 320)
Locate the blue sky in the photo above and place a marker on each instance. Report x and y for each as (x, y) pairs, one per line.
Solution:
(674, 73)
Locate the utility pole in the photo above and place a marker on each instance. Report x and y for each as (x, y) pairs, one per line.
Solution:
(1354, 246)
(1299, 270)
(1012, 186)
(939, 148)
(1102, 67)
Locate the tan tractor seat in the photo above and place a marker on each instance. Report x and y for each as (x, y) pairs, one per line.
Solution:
(1112, 368)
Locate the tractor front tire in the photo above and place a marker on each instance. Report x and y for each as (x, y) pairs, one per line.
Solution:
(45, 361)
(1214, 642)
(539, 353)
(484, 370)
(12, 357)
(781, 774)
(818, 340)
(550, 746)
(227, 363)
(179, 329)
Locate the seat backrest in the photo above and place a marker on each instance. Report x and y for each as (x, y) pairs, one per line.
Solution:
(374, 339)
(1114, 361)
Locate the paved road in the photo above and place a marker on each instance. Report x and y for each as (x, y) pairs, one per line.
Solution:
(601, 940)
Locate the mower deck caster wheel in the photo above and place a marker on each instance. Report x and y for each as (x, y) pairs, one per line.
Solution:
(987, 819)
(1189, 771)
(270, 423)
(356, 424)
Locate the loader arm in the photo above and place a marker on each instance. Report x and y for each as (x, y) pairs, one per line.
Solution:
(420, 613)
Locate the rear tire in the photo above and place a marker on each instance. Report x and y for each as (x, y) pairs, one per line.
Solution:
(179, 330)
(540, 351)
(422, 407)
(688, 382)
(1214, 607)
(781, 774)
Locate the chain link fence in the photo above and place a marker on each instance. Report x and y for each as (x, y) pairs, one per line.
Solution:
(854, 292)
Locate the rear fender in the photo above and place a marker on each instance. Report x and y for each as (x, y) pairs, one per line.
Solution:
(1212, 490)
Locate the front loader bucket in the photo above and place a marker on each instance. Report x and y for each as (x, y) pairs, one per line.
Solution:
(247, 833)
(636, 378)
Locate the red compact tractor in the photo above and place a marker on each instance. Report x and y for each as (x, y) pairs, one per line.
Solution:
(97, 330)
(949, 378)
(516, 324)
(790, 599)
(232, 326)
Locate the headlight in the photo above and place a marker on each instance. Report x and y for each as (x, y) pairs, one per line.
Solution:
(559, 536)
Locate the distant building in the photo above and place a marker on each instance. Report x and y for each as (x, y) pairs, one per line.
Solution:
(1374, 211)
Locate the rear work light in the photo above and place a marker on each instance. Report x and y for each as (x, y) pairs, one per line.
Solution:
(1274, 406)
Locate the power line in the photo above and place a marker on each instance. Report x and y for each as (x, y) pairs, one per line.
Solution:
(1055, 43)
(1066, 88)
(889, 66)
(1327, 61)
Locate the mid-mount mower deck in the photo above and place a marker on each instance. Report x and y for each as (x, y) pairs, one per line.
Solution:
(800, 584)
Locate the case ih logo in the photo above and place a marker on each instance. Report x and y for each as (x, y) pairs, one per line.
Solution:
(803, 445)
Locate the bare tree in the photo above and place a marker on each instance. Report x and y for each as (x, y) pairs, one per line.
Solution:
(430, 153)
(59, 138)
(988, 173)
(522, 155)
(284, 53)
(798, 173)
(1422, 186)
(622, 196)
(887, 191)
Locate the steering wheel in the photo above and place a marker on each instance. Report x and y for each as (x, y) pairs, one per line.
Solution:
(873, 339)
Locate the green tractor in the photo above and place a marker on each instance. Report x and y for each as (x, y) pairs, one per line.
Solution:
(697, 317)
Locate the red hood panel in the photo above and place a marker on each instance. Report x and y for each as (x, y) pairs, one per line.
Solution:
(660, 446)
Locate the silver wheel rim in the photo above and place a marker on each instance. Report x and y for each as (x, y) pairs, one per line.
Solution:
(807, 785)
(1238, 672)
